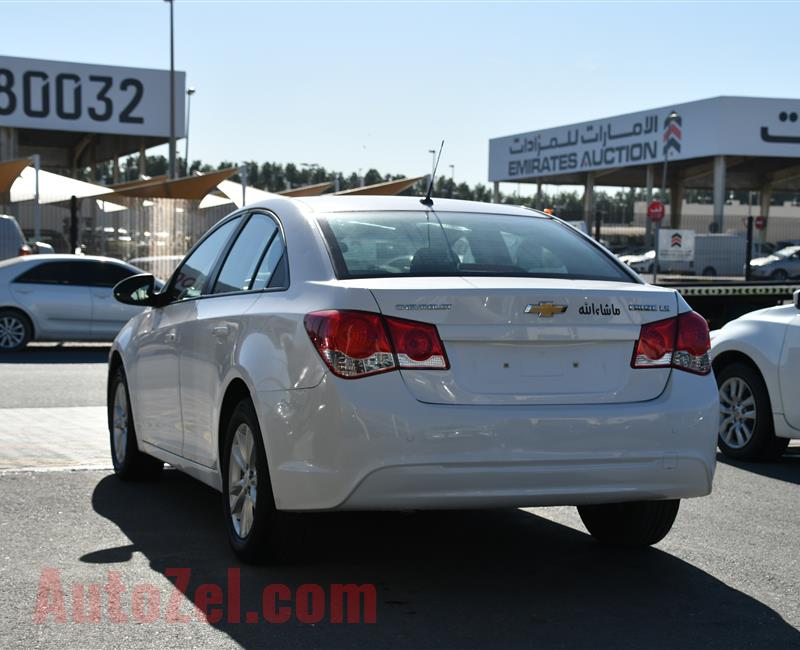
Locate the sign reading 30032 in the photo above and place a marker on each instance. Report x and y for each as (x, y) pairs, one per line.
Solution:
(63, 96)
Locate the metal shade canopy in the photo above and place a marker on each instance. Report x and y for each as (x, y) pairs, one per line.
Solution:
(387, 188)
(9, 172)
(192, 188)
(138, 182)
(53, 188)
(308, 190)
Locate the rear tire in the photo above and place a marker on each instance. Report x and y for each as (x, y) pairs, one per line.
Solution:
(257, 531)
(130, 464)
(710, 272)
(15, 330)
(779, 275)
(637, 523)
(746, 430)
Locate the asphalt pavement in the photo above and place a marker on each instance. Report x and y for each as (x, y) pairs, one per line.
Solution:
(727, 576)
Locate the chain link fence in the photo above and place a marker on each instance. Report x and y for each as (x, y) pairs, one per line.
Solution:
(153, 234)
(716, 255)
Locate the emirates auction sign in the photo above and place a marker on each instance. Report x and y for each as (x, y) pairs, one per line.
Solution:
(745, 126)
(63, 96)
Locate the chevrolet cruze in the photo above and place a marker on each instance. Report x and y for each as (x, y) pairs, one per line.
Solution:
(380, 353)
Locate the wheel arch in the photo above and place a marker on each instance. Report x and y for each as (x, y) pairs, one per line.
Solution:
(24, 314)
(114, 362)
(735, 356)
(235, 392)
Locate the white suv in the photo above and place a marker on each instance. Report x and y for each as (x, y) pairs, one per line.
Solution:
(376, 353)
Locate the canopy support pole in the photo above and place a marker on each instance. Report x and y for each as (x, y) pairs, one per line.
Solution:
(719, 193)
(37, 214)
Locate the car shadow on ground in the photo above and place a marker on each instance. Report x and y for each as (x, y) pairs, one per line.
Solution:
(446, 579)
(58, 353)
(786, 468)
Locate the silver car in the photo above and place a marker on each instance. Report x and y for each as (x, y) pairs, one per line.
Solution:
(781, 265)
(61, 298)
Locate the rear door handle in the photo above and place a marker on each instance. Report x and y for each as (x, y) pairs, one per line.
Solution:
(170, 336)
(220, 331)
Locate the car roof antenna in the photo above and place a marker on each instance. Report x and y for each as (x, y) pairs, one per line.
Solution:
(428, 200)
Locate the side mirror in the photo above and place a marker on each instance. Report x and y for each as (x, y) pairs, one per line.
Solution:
(796, 297)
(139, 290)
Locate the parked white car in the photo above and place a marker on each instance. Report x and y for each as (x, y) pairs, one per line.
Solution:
(61, 298)
(757, 364)
(342, 353)
(12, 241)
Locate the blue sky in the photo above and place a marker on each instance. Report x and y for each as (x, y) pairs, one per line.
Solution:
(376, 84)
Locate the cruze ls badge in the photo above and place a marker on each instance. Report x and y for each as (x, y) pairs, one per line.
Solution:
(545, 309)
(638, 307)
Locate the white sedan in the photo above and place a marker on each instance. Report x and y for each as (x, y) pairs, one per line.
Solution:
(343, 353)
(757, 364)
(61, 298)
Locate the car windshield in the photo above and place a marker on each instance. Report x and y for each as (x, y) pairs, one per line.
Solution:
(421, 243)
(787, 252)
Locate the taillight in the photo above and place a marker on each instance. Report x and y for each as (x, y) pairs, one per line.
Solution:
(417, 345)
(25, 250)
(693, 344)
(357, 343)
(352, 343)
(655, 345)
(681, 343)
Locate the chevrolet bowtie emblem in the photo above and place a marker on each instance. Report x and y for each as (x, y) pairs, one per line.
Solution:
(545, 309)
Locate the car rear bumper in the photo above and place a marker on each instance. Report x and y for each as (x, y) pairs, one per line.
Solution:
(368, 444)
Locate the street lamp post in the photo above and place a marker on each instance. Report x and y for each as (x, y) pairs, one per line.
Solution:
(171, 89)
(452, 179)
(189, 92)
(672, 117)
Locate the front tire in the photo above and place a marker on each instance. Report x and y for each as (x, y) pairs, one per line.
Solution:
(130, 464)
(746, 429)
(637, 523)
(15, 330)
(256, 529)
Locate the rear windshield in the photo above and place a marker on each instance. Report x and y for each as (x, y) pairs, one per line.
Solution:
(388, 244)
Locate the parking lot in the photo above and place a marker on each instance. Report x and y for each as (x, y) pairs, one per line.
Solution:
(728, 575)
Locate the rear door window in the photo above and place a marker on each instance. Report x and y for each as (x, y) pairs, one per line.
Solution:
(104, 274)
(191, 276)
(239, 269)
(66, 273)
(273, 272)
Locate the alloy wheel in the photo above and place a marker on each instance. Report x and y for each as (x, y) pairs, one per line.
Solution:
(242, 480)
(737, 407)
(12, 332)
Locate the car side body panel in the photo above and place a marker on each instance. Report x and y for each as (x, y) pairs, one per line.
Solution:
(760, 337)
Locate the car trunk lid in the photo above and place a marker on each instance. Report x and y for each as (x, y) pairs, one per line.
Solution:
(513, 341)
